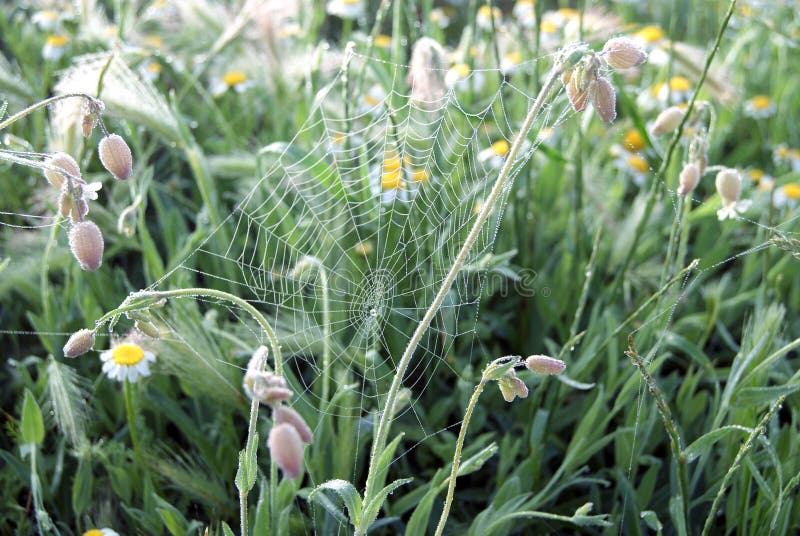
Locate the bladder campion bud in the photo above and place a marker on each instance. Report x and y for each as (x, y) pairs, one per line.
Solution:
(604, 99)
(729, 185)
(286, 448)
(86, 244)
(689, 177)
(79, 343)
(286, 415)
(623, 53)
(68, 166)
(116, 156)
(668, 120)
(542, 364)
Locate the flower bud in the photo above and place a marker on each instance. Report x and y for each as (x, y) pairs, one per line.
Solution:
(577, 96)
(668, 120)
(729, 185)
(86, 244)
(68, 166)
(512, 387)
(91, 115)
(79, 343)
(286, 415)
(286, 448)
(116, 156)
(518, 387)
(603, 98)
(542, 364)
(266, 387)
(689, 177)
(623, 53)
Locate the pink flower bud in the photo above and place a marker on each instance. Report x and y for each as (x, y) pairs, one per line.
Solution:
(286, 415)
(68, 165)
(518, 387)
(689, 177)
(668, 120)
(577, 96)
(86, 243)
(286, 448)
(79, 343)
(603, 98)
(116, 156)
(542, 364)
(623, 53)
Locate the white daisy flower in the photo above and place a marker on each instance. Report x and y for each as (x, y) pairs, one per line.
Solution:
(787, 195)
(127, 361)
(372, 101)
(46, 19)
(235, 80)
(151, 70)
(100, 532)
(388, 180)
(441, 16)
(483, 19)
(634, 165)
(494, 155)
(759, 107)
(347, 9)
(460, 77)
(54, 47)
(679, 89)
(510, 63)
(524, 10)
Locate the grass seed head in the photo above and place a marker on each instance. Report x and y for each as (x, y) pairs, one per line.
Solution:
(86, 244)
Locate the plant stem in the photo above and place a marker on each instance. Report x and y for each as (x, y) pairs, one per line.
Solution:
(473, 401)
(389, 407)
(656, 184)
(41, 104)
(137, 452)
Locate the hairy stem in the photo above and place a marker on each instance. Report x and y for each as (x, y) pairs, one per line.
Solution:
(387, 415)
(41, 104)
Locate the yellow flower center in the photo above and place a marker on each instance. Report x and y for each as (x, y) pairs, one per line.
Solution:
(48, 15)
(234, 78)
(679, 83)
(392, 180)
(370, 100)
(419, 175)
(485, 12)
(391, 163)
(500, 147)
(383, 41)
(127, 354)
(760, 102)
(93, 532)
(569, 13)
(154, 41)
(650, 34)
(633, 141)
(363, 248)
(756, 174)
(548, 27)
(154, 67)
(792, 190)
(514, 57)
(57, 40)
(338, 138)
(351, 2)
(461, 69)
(476, 209)
(638, 163)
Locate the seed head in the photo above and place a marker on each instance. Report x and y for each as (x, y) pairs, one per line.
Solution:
(542, 364)
(286, 448)
(689, 177)
(668, 120)
(68, 166)
(603, 98)
(86, 244)
(116, 156)
(286, 415)
(623, 53)
(79, 343)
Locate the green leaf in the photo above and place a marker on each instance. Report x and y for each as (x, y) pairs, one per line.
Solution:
(418, 524)
(329, 506)
(372, 508)
(227, 530)
(755, 396)
(82, 486)
(704, 442)
(246, 473)
(382, 467)
(32, 422)
(348, 494)
(678, 515)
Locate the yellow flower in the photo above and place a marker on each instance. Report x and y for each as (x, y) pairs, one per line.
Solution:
(759, 107)
(484, 17)
(363, 249)
(633, 141)
(234, 79)
(383, 41)
(650, 34)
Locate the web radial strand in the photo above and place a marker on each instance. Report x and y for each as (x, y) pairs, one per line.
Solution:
(382, 198)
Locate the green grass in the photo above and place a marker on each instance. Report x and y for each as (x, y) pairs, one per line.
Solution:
(678, 410)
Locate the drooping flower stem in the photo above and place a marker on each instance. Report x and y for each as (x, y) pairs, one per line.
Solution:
(42, 104)
(148, 298)
(382, 432)
(657, 183)
(473, 401)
